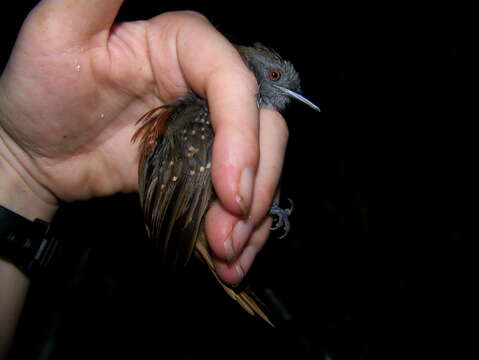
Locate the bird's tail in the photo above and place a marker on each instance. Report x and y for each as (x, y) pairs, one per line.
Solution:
(248, 300)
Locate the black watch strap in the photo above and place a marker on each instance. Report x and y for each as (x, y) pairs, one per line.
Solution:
(26, 244)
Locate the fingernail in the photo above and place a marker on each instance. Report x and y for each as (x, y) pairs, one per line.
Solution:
(247, 257)
(229, 250)
(245, 191)
(241, 233)
(240, 272)
(240, 201)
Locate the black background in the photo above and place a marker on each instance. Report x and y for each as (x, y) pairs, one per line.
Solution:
(381, 180)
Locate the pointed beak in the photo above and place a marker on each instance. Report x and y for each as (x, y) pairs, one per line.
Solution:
(297, 96)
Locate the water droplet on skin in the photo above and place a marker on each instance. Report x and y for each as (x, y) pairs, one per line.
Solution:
(102, 116)
(78, 67)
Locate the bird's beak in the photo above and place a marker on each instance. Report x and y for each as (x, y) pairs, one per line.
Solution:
(297, 96)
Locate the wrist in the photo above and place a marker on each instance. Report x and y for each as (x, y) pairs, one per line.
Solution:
(19, 191)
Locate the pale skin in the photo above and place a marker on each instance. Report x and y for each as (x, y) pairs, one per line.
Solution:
(69, 99)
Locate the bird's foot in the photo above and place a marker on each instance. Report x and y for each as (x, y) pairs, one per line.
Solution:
(282, 217)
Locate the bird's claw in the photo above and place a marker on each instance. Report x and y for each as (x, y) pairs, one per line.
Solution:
(282, 217)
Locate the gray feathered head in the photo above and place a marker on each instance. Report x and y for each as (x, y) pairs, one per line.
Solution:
(277, 79)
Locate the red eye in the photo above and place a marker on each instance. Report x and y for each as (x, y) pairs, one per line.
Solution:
(274, 75)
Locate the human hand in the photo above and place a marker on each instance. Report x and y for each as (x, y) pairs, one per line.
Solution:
(75, 86)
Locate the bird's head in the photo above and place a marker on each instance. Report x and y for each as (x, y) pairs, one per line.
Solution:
(277, 79)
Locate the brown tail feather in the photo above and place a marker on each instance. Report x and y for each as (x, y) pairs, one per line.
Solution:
(246, 298)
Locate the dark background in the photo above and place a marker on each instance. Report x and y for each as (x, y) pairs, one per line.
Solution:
(381, 180)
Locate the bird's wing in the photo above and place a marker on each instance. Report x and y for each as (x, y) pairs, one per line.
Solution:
(176, 189)
(175, 178)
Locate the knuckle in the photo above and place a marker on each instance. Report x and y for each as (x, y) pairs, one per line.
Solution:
(194, 15)
(186, 16)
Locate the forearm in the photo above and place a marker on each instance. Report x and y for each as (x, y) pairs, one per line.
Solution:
(13, 289)
(13, 283)
(19, 196)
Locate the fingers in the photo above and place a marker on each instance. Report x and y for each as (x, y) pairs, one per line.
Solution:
(235, 272)
(231, 92)
(234, 240)
(273, 140)
(70, 23)
(213, 68)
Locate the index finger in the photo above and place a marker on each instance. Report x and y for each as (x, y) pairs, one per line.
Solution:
(214, 69)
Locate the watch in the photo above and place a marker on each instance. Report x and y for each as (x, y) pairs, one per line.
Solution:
(29, 245)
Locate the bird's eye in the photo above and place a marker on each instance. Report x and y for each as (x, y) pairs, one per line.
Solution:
(274, 75)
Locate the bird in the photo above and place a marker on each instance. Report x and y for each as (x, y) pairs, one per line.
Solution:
(175, 155)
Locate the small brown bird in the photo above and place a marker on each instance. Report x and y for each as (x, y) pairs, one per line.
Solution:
(175, 162)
